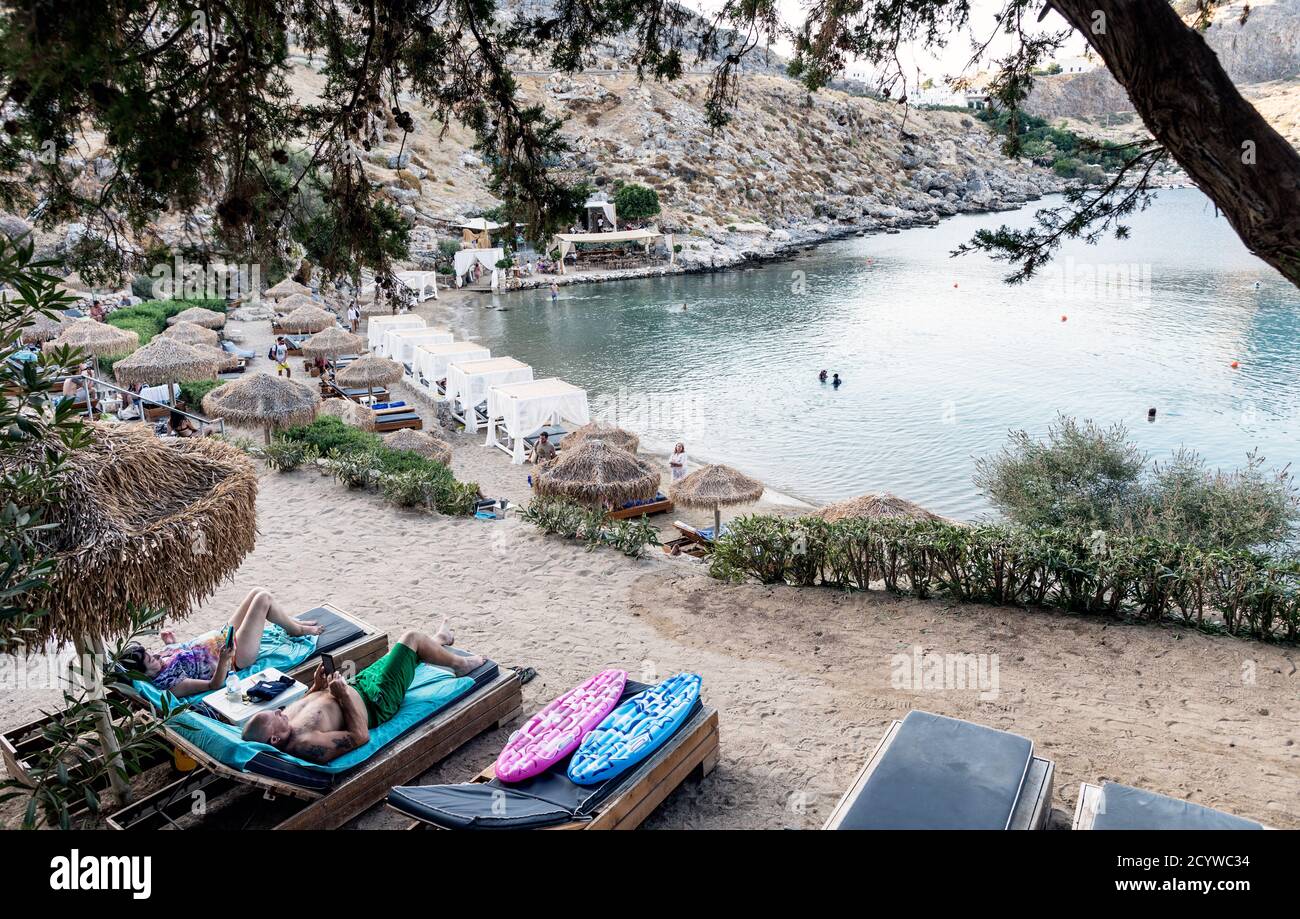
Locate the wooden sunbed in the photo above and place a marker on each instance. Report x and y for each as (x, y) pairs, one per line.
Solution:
(1030, 810)
(661, 505)
(397, 418)
(19, 744)
(379, 394)
(246, 800)
(692, 753)
(1119, 807)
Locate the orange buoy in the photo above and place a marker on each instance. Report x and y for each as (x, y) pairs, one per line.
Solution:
(954, 285)
(1235, 365)
(1063, 318)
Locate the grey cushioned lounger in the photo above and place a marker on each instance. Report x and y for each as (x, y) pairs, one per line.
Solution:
(939, 773)
(1120, 807)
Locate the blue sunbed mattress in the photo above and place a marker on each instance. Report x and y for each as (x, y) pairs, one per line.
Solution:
(1125, 808)
(941, 773)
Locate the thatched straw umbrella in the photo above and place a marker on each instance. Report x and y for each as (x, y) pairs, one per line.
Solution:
(715, 486)
(286, 288)
(189, 333)
(293, 302)
(370, 371)
(599, 430)
(598, 473)
(44, 328)
(261, 399)
(140, 523)
(421, 443)
(225, 360)
(332, 343)
(349, 412)
(876, 506)
(97, 338)
(209, 319)
(308, 319)
(165, 359)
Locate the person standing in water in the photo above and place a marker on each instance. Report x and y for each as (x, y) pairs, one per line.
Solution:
(836, 381)
(555, 292)
(677, 462)
(821, 377)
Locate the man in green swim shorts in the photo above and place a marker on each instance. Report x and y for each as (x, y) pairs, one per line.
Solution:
(334, 718)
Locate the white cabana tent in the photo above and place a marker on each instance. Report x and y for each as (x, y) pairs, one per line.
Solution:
(567, 243)
(431, 361)
(480, 225)
(468, 383)
(423, 284)
(376, 326)
(465, 260)
(523, 409)
(400, 344)
(604, 208)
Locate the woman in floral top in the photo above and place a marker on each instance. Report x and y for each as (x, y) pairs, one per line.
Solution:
(200, 666)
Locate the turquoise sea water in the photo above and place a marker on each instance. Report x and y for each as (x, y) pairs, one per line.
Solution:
(939, 357)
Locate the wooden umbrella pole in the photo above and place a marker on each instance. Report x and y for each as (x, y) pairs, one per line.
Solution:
(92, 652)
(266, 432)
(717, 522)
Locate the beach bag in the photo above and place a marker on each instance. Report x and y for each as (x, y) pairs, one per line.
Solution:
(270, 353)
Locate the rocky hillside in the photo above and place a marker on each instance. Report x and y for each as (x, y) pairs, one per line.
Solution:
(1261, 55)
(791, 168)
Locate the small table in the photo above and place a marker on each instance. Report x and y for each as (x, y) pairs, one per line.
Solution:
(239, 710)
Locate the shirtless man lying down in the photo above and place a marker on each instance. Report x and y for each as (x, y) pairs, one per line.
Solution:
(334, 718)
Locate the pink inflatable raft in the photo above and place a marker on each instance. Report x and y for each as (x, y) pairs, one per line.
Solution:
(555, 731)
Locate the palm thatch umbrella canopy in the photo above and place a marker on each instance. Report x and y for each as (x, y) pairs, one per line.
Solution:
(209, 319)
(190, 333)
(349, 412)
(285, 288)
(421, 443)
(308, 319)
(716, 486)
(332, 343)
(43, 328)
(140, 523)
(225, 360)
(609, 433)
(265, 400)
(370, 371)
(165, 360)
(598, 473)
(876, 506)
(97, 338)
(292, 302)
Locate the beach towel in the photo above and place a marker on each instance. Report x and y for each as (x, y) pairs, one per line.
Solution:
(432, 690)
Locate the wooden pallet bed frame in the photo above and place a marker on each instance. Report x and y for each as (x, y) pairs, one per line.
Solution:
(691, 754)
(19, 743)
(414, 753)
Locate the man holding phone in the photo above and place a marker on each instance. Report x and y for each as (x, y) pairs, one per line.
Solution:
(334, 718)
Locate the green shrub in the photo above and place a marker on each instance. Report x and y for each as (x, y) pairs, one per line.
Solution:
(636, 202)
(1089, 478)
(561, 517)
(1241, 592)
(287, 455)
(359, 459)
(193, 391)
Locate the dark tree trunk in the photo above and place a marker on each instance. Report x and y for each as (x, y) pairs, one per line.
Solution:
(1177, 85)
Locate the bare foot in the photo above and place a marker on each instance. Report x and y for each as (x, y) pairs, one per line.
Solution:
(461, 666)
(302, 627)
(444, 635)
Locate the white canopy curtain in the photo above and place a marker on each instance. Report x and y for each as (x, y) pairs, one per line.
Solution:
(376, 326)
(468, 383)
(523, 409)
(606, 207)
(465, 260)
(431, 361)
(400, 344)
(567, 242)
(424, 284)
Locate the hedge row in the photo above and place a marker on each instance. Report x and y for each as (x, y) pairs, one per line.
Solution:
(1238, 592)
(360, 459)
(150, 318)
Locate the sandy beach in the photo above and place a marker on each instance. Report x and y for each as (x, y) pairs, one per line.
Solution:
(805, 681)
